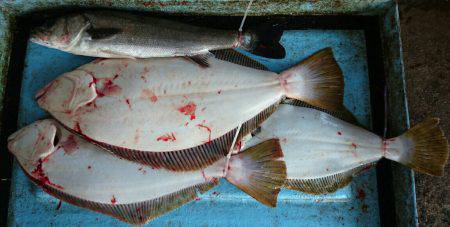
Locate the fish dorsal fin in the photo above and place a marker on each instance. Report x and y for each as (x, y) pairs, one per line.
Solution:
(235, 57)
(136, 213)
(326, 184)
(344, 114)
(187, 159)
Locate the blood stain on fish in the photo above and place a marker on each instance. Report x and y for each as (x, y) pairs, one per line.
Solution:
(77, 128)
(70, 145)
(128, 103)
(216, 193)
(208, 129)
(144, 74)
(167, 137)
(41, 177)
(107, 88)
(89, 167)
(198, 199)
(339, 133)
(113, 200)
(361, 194)
(186, 124)
(354, 145)
(219, 91)
(148, 94)
(188, 110)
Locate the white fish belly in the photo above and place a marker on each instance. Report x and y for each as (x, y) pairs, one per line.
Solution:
(316, 144)
(83, 170)
(170, 104)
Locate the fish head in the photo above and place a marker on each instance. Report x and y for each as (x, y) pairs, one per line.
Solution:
(68, 92)
(34, 142)
(61, 32)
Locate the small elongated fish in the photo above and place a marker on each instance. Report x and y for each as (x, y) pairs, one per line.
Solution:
(125, 35)
(75, 171)
(171, 113)
(323, 153)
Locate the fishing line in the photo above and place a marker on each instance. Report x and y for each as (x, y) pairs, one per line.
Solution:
(231, 149)
(245, 16)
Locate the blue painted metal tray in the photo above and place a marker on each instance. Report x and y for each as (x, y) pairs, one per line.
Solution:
(379, 196)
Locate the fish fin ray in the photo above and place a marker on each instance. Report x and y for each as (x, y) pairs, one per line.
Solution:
(235, 57)
(317, 80)
(324, 185)
(201, 59)
(135, 213)
(425, 148)
(259, 171)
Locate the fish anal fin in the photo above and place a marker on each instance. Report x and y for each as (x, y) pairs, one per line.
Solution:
(259, 171)
(201, 59)
(136, 213)
(327, 184)
(235, 57)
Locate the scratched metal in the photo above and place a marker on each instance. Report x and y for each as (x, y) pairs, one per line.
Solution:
(228, 206)
(357, 201)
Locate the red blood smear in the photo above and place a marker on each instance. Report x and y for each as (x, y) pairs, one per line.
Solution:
(77, 128)
(361, 194)
(108, 88)
(144, 74)
(197, 199)
(113, 200)
(148, 94)
(219, 91)
(69, 145)
(167, 137)
(354, 145)
(186, 124)
(208, 129)
(239, 146)
(339, 133)
(89, 167)
(42, 177)
(188, 110)
(128, 103)
(59, 205)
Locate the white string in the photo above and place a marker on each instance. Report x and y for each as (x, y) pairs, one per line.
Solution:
(231, 149)
(245, 15)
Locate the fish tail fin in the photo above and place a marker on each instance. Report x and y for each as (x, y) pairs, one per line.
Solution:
(317, 80)
(263, 41)
(423, 148)
(259, 172)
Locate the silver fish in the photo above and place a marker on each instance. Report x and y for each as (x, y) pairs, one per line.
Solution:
(323, 153)
(77, 172)
(171, 113)
(125, 35)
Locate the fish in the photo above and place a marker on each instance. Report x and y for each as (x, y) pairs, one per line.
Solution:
(77, 172)
(112, 34)
(171, 113)
(323, 153)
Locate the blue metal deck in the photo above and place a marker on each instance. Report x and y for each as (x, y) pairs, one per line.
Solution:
(354, 205)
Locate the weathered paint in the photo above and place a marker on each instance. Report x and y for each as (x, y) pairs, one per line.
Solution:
(226, 205)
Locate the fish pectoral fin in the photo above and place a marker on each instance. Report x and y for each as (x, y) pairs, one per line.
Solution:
(102, 33)
(235, 57)
(324, 185)
(259, 171)
(139, 212)
(202, 59)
